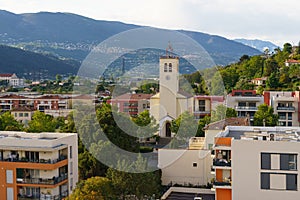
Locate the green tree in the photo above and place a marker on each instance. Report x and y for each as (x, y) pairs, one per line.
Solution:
(184, 127)
(201, 124)
(139, 184)
(147, 125)
(273, 81)
(221, 112)
(8, 123)
(265, 116)
(69, 125)
(41, 123)
(287, 47)
(94, 188)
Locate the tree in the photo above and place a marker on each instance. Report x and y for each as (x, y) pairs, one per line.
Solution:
(222, 112)
(184, 127)
(139, 184)
(201, 124)
(287, 47)
(69, 124)
(8, 123)
(41, 123)
(94, 188)
(147, 125)
(273, 81)
(265, 116)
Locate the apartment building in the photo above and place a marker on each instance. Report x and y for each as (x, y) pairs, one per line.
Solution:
(245, 102)
(203, 105)
(257, 163)
(286, 105)
(133, 104)
(12, 79)
(37, 165)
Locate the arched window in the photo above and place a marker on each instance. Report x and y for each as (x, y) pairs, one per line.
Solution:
(166, 67)
(170, 67)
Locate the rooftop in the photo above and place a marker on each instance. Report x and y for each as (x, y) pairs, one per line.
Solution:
(280, 134)
(232, 121)
(13, 140)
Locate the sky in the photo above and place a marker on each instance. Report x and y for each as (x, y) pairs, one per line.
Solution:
(277, 21)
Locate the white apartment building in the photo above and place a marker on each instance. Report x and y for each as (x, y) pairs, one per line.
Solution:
(37, 165)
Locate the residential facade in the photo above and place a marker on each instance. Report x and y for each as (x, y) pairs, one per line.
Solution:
(186, 167)
(286, 105)
(257, 163)
(37, 165)
(132, 104)
(12, 79)
(245, 102)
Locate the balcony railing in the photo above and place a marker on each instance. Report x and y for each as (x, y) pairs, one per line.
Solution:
(43, 197)
(216, 183)
(43, 181)
(221, 163)
(292, 108)
(245, 108)
(43, 161)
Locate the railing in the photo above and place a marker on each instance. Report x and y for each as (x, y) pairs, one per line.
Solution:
(245, 108)
(43, 181)
(43, 161)
(216, 183)
(44, 197)
(221, 163)
(286, 108)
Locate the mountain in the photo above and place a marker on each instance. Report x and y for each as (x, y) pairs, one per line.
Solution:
(258, 44)
(73, 36)
(33, 65)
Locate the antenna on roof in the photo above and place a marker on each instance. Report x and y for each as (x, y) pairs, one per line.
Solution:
(169, 50)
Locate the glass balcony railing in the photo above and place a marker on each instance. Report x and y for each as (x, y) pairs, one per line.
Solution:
(42, 161)
(43, 181)
(292, 108)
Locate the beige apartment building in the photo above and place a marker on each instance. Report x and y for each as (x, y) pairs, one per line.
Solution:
(37, 165)
(257, 163)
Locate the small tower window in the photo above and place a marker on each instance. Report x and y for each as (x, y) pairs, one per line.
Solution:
(166, 67)
(170, 67)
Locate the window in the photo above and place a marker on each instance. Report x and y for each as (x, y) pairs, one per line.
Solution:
(290, 116)
(170, 67)
(201, 105)
(282, 115)
(195, 164)
(276, 161)
(71, 168)
(265, 181)
(25, 114)
(265, 161)
(71, 184)
(288, 162)
(272, 181)
(9, 193)
(9, 176)
(291, 182)
(242, 104)
(20, 114)
(166, 67)
(71, 152)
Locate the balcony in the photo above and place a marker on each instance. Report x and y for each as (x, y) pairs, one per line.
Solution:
(221, 163)
(246, 108)
(289, 108)
(226, 184)
(43, 181)
(26, 160)
(43, 197)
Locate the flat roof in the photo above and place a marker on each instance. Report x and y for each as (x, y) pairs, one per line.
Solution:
(278, 133)
(12, 140)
